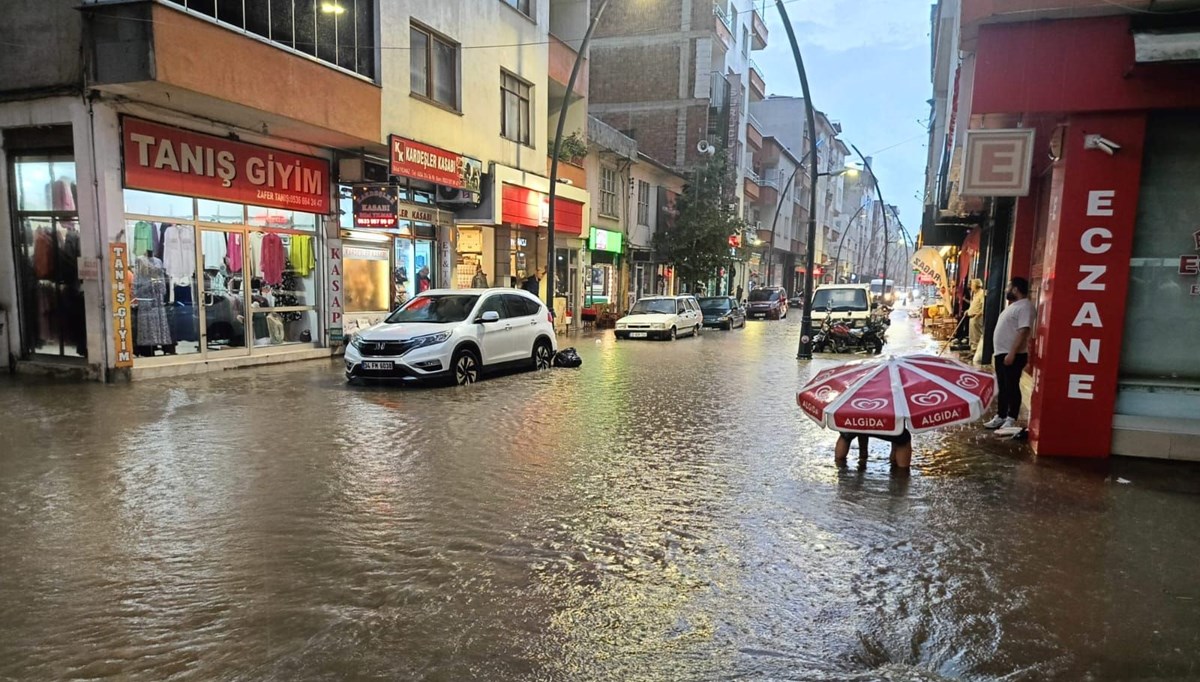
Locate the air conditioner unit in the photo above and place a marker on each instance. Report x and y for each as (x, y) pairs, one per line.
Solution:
(358, 170)
(454, 195)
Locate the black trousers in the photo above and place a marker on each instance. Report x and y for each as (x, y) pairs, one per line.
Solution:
(1008, 384)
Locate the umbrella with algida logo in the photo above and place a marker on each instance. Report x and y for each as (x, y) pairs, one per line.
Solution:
(884, 396)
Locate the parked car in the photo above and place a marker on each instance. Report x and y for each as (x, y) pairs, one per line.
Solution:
(846, 303)
(456, 335)
(661, 317)
(768, 302)
(723, 312)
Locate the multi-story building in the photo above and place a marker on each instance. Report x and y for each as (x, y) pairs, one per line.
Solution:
(170, 166)
(1063, 150)
(676, 75)
(783, 118)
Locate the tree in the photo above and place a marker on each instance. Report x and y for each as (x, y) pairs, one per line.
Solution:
(696, 245)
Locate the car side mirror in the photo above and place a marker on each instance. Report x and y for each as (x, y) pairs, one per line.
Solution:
(489, 316)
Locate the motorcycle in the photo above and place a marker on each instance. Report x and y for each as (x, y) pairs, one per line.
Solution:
(841, 338)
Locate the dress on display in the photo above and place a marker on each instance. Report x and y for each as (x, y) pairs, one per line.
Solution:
(150, 291)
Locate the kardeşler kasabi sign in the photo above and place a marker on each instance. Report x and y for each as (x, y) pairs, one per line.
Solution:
(375, 206)
(160, 158)
(417, 160)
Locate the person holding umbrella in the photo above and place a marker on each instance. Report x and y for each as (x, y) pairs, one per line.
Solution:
(894, 397)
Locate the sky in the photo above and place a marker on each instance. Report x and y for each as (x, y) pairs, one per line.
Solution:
(868, 67)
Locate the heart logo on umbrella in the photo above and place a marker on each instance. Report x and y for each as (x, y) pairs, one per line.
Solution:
(825, 394)
(930, 398)
(968, 381)
(869, 404)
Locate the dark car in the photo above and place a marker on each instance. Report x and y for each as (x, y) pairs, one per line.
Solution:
(722, 312)
(768, 302)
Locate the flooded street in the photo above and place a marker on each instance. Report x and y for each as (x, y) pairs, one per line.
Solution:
(663, 513)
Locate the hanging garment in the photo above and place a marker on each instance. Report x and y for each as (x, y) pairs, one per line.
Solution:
(302, 255)
(272, 260)
(214, 247)
(150, 292)
(179, 253)
(234, 249)
(63, 195)
(143, 238)
(43, 253)
(275, 328)
(157, 237)
(253, 267)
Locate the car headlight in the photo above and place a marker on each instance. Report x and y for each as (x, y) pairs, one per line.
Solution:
(356, 341)
(660, 325)
(622, 325)
(430, 339)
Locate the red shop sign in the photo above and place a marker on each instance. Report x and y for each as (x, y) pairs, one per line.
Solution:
(160, 158)
(423, 162)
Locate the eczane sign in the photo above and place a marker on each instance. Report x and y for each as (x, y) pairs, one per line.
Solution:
(997, 163)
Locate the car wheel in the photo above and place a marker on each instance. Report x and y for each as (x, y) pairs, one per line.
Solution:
(543, 355)
(466, 367)
(671, 336)
(696, 332)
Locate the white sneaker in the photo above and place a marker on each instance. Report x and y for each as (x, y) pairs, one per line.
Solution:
(1009, 423)
(994, 423)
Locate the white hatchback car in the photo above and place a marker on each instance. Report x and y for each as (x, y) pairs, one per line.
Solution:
(661, 317)
(455, 334)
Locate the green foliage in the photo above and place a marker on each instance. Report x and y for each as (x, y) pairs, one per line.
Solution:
(697, 244)
(573, 148)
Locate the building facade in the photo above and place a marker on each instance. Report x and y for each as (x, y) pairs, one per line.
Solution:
(1064, 140)
(165, 214)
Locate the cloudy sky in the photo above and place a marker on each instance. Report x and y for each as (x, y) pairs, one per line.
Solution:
(868, 67)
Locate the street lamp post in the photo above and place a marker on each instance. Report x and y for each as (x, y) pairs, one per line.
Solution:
(838, 256)
(884, 209)
(558, 138)
(805, 350)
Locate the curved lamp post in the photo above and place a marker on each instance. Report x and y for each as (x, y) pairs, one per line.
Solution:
(838, 256)
(805, 351)
(551, 256)
(884, 208)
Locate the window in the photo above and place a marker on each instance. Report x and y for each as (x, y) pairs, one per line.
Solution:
(496, 304)
(745, 42)
(608, 191)
(523, 6)
(643, 216)
(433, 67)
(338, 32)
(514, 108)
(520, 306)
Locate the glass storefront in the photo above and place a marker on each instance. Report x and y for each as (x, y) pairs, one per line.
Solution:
(213, 278)
(47, 245)
(1160, 371)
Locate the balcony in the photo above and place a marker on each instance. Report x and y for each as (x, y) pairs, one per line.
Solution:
(562, 58)
(758, 32)
(721, 27)
(757, 84)
(573, 174)
(750, 185)
(754, 135)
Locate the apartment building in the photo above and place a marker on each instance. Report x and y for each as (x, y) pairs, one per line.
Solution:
(169, 166)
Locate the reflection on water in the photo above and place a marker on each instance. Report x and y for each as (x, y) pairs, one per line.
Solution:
(664, 512)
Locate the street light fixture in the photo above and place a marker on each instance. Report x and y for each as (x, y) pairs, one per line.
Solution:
(848, 170)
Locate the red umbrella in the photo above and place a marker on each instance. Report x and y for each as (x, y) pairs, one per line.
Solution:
(882, 397)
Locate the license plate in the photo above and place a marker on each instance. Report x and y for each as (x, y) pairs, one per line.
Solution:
(637, 335)
(378, 365)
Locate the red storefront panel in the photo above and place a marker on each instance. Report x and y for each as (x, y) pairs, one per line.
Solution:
(529, 208)
(1085, 281)
(159, 158)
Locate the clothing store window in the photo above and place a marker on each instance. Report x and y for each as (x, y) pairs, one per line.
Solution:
(219, 277)
(51, 310)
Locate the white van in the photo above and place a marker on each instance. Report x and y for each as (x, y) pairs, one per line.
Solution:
(849, 303)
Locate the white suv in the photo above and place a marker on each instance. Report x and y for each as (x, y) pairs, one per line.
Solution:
(455, 334)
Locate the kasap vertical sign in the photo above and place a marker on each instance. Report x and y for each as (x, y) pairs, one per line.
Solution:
(928, 262)
(336, 307)
(122, 303)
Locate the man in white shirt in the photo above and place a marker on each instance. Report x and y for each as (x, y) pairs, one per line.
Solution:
(1010, 344)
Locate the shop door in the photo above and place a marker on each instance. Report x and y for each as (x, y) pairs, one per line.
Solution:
(47, 255)
(223, 292)
(426, 265)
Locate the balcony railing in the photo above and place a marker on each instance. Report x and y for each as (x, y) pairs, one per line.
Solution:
(756, 80)
(758, 31)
